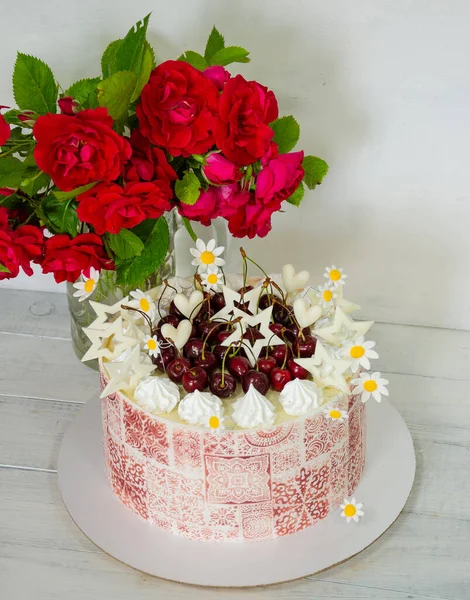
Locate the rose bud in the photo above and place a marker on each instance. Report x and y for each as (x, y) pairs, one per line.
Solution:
(27, 117)
(220, 171)
(218, 75)
(5, 131)
(68, 106)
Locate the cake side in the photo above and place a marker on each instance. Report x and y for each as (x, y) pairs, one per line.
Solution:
(233, 486)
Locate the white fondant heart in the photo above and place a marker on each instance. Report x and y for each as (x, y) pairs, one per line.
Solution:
(294, 281)
(178, 336)
(189, 306)
(306, 315)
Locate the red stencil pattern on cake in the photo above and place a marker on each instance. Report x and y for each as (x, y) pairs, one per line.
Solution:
(270, 437)
(339, 475)
(187, 449)
(257, 521)
(206, 533)
(113, 408)
(148, 436)
(302, 500)
(226, 516)
(238, 480)
(287, 460)
(317, 438)
(223, 444)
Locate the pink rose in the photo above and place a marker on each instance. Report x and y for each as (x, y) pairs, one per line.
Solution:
(218, 75)
(231, 198)
(204, 210)
(218, 170)
(4, 131)
(252, 218)
(279, 178)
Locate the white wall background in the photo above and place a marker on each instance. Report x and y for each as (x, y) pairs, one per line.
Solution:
(382, 91)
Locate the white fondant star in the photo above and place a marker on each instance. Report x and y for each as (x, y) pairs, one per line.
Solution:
(108, 343)
(325, 369)
(231, 297)
(103, 310)
(126, 374)
(343, 328)
(262, 319)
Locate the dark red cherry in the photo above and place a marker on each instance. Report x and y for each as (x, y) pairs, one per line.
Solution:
(279, 378)
(266, 364)
(277, 328)
(223, 335)
(296, 331)
(219, 352)
(176, 368)
(282, 314)
(193, 348)
(165, 357)
(281, 353)
(194, 379)
(207, 361)
(222, 388)
(208, 330)
(258, 380)
(297, 371)
(239, 367)
(170, 319)
(304, 348)
(217, 302)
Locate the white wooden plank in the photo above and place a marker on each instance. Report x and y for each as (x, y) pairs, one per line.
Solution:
(44, 556)
(39, 313)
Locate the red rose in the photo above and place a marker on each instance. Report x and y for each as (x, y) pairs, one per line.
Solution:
(218, 75)
(4, 131)
(147, 162)
(241, 130)
(251, 219)
(81, 149)
(177, 109)
(20, 247)
(231, 199)
(280, 177)
(68, 258)
(204, 210)
(109, 207)
(218, 170)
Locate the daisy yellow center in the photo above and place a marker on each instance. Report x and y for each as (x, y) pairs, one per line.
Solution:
(327, 295)
(89, 285)
(151, 344)
(335, 414)
(350, 510)
(370, 385)
(207, 258)
(144, 304)
(357, 352)
(335, 275)
(214, 422)
(212, 278)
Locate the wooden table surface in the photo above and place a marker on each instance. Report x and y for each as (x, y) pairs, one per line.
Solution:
(43, 556)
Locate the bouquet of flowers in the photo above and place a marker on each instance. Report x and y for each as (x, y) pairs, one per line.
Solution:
(86, 174)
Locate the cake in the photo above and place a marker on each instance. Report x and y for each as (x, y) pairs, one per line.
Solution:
(234, 408)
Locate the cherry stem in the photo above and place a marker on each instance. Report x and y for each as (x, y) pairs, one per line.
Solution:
(222, 381)
(208, 336)
(141, 312)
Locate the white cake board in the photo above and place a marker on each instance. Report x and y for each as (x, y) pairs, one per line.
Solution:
(384, 489)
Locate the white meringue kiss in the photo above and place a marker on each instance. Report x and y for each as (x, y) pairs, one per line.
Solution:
(294, 281)
(189, 306)
(305, 313)
(178, 336)
(197, 408)
(253, 410)
(157, 394)
(300, 397)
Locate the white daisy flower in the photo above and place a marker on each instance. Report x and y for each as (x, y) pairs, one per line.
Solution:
(152, 345)
(352, 510)
(212, 279)
(335, 414)
(86, 287)
(207, 255)
(326, 295)
(143, 302)
(216, 423)
(367, 384)
(358, 352)
(335, 276)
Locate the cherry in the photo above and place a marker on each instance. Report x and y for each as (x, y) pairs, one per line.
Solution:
(176, 368)
(170, 319)
(305, 348)
(281, 314)
(223, 389)
(281, 353)
(223, 335)
(204, 314)
(239, 367)
(193, 348)
(207, 361)
(217, 302)
(194, 379)
(290, 335)
(219, 352)
(207, 329)
(164, 358)
(297, 371)
(258, 380)
(277, 328)
(279, 378)
(264, 302)
(266, 364)
(295, 329)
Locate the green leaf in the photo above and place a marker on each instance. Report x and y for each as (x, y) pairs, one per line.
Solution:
(195, 59)
(35, 184)
(189, 228)
(215, 43)
(228, 55)
(125, 244)
(11, 117)
(116, 92)
(156, 239)
(297, 197)
(3, 269)
(315, 170)
(34, 87)
(12, 172)
(147, 66)
(64, 196)
(187, 188)
(286, 133)
(61, 215)
(85, 92)
(108, 60)
(130, 52)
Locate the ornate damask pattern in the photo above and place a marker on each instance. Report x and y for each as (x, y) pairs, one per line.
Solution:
(144, 433)
(238, 480)
(187, 451)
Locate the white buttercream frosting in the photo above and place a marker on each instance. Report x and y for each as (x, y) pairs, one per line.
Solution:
(157, 394)
(253, 410)
(197, 407)
(300, 396)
